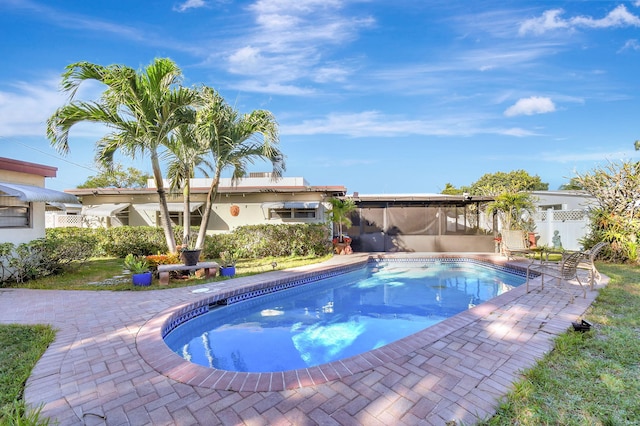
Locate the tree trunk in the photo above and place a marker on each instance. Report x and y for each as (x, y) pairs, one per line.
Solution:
(164, 209)
(186, 216)
(213, 190)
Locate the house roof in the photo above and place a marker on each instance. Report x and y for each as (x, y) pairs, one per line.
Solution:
(28, 168)
(418, 198)
(335, 190)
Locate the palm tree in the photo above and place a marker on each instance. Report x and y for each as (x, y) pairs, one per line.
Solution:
(340, 211)
(142, 109)
(234, 141)
(511, 206)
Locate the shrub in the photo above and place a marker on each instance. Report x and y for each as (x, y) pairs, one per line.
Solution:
(622, 234)
(257, 241)
(56, 253)
(137, 240)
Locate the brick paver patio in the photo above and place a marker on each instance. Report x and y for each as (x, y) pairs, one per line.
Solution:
(96, 372)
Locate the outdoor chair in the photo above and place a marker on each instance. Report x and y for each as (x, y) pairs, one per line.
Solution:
(565, 270)
(514, 243)
(588, 262)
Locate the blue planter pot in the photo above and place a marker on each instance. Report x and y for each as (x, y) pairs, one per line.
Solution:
(228, 271)
(143, 279)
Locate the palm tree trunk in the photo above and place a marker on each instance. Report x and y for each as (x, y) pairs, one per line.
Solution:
(186, 216)
(213, 190)
(164, 209)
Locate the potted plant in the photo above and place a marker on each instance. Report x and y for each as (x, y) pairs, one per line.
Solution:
(189, 254)
(227, 263)
(340, 214)
(139, 268)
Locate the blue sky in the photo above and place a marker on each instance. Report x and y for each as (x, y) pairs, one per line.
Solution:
(378, 96)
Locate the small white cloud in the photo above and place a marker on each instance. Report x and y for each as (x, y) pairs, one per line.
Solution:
(246, 60)
(552, 20)
(631, 45)
(272, 88)
(530, 106)
(190, 4)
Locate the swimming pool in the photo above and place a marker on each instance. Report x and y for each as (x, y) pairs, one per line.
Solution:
(324, 320)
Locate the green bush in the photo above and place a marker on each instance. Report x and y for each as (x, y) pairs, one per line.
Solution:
(64, 248)
(622, 234)
(257, 241)
(56, 253)
(138, 240)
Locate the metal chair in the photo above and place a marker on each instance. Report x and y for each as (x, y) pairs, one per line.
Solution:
(588, 262)
(565, 270)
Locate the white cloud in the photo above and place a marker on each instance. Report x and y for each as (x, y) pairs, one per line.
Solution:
(530, 106)
(271, 88)
(25, 109)
(293, 38)
(190, 4)
(631, 45)
(552, 20)
(547, 22)
(376, 124)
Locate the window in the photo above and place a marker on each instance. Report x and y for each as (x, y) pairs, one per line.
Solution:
(177, 218)
(14, 213)
(286, 213)
(304, 213)
(122, 217)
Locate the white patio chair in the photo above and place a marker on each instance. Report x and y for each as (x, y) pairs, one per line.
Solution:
(514, 243)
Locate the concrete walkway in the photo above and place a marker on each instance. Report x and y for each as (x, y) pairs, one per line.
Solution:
(458, 370)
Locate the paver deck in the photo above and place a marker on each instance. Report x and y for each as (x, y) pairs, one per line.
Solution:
(94, 373)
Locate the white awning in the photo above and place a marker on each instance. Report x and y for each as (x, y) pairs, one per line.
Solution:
(173, 207)
(30, 193)
(292, 205)
(104, 210)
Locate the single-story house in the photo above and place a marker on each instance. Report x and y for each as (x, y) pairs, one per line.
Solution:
(23, 199)
(257, 199)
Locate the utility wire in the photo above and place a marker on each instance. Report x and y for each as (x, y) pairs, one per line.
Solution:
(50, 155)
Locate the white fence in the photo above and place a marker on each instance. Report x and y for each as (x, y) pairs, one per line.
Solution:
(572, 225)
(63, 221)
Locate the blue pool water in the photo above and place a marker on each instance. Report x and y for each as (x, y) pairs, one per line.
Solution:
(336, 318)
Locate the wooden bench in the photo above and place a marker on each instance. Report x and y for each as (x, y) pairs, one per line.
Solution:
(210, 270)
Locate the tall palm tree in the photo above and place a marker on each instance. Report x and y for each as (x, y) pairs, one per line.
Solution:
(234, 141)
(142, 109)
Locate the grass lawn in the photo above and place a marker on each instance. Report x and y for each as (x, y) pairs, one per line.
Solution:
(591, 378)
(107, 274)
(20, 348)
